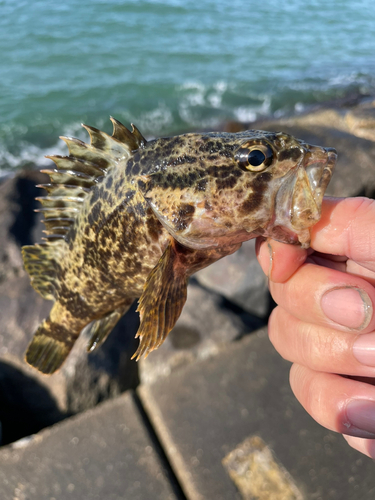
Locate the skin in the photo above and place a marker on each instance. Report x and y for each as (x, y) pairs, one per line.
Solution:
(330, 341)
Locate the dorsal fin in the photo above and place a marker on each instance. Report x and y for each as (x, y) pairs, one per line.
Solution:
(77, 173)
(70, 181)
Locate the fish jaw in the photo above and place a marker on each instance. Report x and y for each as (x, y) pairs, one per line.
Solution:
(299, 199)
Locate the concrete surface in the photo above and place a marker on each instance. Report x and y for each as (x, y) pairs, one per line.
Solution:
(104, 454)
(203, 412)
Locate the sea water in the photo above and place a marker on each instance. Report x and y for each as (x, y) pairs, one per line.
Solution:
(171, 66)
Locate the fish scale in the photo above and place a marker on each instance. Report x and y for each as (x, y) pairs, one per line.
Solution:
(128, 219)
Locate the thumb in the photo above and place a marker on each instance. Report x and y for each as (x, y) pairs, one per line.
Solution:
(347, 228)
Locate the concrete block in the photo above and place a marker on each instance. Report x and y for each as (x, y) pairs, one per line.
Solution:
(207, 410)
(104, 453)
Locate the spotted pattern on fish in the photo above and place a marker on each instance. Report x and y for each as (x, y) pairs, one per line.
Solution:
(128, 219)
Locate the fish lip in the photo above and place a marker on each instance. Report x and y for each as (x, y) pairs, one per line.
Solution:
(319, 166)
(299, 198)
(317, 155)
(312, 178)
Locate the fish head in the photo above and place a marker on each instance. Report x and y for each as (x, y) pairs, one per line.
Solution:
(227, 188)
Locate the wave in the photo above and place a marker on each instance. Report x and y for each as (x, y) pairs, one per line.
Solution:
(169, 110)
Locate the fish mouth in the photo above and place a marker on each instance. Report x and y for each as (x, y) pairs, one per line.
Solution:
(312, 178)
(299, 200)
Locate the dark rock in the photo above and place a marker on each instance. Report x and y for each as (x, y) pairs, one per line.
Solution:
(209, 409)
(105, 373)
(17, 416)
(17, 220)
(106, 453)
(20, 307)
(240, 279)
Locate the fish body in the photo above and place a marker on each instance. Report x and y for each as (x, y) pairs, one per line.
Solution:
(128, 219)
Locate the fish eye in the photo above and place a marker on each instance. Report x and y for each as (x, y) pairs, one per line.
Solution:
(254, 158)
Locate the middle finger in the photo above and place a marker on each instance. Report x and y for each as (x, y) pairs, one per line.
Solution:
(321, 348)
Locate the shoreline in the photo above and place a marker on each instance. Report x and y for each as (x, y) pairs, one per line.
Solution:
(31, 156)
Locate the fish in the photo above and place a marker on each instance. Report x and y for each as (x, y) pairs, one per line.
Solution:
(127, 219)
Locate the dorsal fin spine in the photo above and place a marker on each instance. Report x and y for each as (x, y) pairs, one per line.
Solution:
(66, 162)
(141, 141)
(52, 186)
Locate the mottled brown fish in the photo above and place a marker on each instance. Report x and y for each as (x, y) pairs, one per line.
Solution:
(126, 218)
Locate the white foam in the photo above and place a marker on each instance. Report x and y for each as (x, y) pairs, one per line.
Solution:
(197, 94)
(215, 97)
(245, 114)
(33, 154)
(299, 107)
(221, 86)
(157, 119)
(30, 154)
(195, 85)
(343, 80)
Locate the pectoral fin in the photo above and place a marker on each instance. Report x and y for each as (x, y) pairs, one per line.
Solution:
(165, 291)
(162, 300)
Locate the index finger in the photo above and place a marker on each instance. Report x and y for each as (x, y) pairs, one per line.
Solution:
(279, 261)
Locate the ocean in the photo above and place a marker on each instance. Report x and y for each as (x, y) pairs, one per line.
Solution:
(171, 66)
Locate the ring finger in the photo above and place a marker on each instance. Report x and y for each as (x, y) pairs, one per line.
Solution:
(338, 403)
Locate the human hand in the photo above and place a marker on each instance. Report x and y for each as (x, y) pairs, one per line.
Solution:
(324, 322)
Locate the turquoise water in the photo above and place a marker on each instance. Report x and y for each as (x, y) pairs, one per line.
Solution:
(171, 66)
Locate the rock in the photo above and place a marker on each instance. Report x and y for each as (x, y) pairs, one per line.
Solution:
(106, 453)
(206, 325)
(351, 131)
(256, 473)
(26, 405)
(26, 401)
(239, 278)
(18, 223)
(105, 373)
(356, 120)
(240, 399)
(21, 308)
(361, 120)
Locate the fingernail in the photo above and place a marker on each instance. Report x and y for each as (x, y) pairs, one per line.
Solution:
(265, 257)
(350, 307)
(360, 414)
